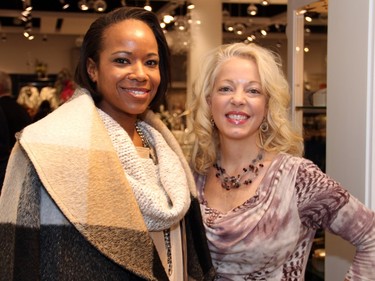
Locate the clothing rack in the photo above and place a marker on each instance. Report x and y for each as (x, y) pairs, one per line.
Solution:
(21, 80)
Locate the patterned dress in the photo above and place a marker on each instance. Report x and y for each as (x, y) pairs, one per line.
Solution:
(269, 237)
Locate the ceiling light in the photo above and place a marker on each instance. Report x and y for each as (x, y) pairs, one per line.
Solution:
(308, 19)
(263, 32)
(82, 5)
(147, 6)
(100, 6)
(190, 6)
(252, 10)
(25, 16)
(25, 13)
(181, 23)
(64, 4)
(265, 2)
(29, 8)
(168, 19)
(228, 26)
(27, 5)
(239, 28)
(27, 32)
(250, 39)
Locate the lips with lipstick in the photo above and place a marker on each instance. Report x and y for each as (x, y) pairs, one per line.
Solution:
(237, 117)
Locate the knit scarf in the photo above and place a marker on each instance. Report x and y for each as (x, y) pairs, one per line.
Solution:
(161, 190)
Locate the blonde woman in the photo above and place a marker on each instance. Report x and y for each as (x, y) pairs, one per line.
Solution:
(262, 203)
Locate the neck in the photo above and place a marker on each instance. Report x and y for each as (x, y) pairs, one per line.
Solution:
(126, 121)
(237, 153)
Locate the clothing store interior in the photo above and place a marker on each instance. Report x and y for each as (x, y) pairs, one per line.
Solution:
(40, 43)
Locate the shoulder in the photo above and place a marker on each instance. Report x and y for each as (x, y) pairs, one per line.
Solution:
(75, 123)
(305, 168)
(319, 197)
(285, 164)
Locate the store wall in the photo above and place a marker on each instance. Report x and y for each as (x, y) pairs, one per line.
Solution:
(350, 113)
(18, 55)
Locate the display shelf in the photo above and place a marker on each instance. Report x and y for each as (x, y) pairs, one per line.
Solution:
(312, 109)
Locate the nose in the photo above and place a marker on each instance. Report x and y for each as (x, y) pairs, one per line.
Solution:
(238, 97)
(137, 72)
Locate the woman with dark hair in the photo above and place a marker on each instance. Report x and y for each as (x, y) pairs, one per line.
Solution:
(99, 189)
(92, 47)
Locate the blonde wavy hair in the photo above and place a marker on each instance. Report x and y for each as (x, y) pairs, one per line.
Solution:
(281, 135)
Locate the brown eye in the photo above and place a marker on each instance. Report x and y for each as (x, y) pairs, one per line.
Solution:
(224, 89)
(254, 91)
(122, 61)
(152, 63)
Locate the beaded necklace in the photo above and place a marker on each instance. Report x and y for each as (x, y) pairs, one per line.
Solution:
(146, 143)
(166, 232)
(232, 182)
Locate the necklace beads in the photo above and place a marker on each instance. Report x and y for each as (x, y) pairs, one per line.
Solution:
(232, 182)
(166, 232)
(146, 143)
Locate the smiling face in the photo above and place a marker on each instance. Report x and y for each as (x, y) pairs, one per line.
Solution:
(127, 75)
(237, 102)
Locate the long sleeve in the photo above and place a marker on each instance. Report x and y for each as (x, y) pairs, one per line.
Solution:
(356, 223)
(324, 203)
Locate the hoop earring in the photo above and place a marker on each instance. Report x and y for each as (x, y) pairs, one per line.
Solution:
(264, 126)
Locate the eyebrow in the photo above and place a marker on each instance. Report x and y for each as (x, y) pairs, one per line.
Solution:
(247, 82)
(130, 53)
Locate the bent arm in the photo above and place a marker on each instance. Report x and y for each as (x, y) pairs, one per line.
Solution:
(356, 224)
(324, 203)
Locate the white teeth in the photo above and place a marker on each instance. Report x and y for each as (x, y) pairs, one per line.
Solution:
(237, 117)
(137, 93)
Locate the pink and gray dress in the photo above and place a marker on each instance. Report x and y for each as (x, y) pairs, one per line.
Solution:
(269, 237)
